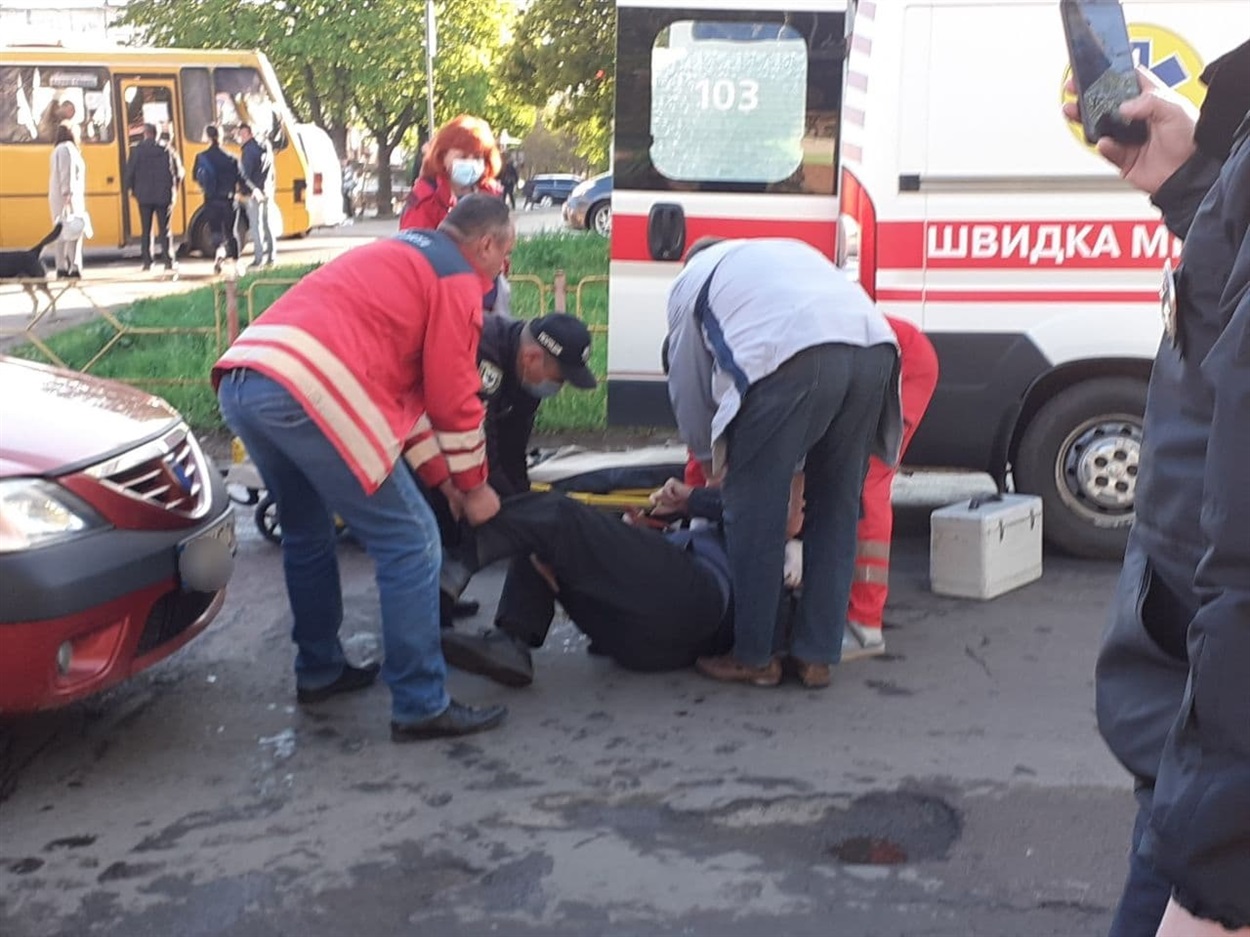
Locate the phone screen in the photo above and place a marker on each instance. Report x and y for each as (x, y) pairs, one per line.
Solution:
(1102, 64)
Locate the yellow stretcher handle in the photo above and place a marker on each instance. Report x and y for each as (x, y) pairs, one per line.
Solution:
(622, 499)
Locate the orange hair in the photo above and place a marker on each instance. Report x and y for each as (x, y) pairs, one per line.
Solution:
(472, 136)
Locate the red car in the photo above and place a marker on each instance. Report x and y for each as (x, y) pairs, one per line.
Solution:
(116, 535)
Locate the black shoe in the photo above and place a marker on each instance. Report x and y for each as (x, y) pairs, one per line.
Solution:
(595, 649)
(456, 719)
(350, 680)
(453, 576)
(73, 274)
(466, 608)
(62, 274)
(495, 654)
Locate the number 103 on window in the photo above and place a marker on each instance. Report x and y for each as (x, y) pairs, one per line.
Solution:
(727, 95)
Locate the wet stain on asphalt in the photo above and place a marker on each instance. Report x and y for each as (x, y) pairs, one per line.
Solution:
(69, 842)
(26, 866)
(206, 819)
(121, 871)
(888, 688)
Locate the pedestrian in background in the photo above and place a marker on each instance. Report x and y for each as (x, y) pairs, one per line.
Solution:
(152, 178)
(508, 179)
(67, 199)
(256, 168)
(216, 172)
(1173, 674)
(462, 158)
(777, 360)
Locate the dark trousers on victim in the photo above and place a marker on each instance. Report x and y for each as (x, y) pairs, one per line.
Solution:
(642, 600)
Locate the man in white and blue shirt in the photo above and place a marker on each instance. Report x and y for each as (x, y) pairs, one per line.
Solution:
(778, 360)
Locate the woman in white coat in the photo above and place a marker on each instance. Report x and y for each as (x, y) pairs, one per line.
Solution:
(67, 196)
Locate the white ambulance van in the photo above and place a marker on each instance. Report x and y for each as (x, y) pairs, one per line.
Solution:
(921, 143)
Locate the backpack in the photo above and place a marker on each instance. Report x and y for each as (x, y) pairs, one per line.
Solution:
(205, 175)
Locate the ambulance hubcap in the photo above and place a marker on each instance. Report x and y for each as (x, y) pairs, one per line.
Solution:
(1098, 463)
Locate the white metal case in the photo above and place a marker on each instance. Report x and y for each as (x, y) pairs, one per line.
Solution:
(982, 548)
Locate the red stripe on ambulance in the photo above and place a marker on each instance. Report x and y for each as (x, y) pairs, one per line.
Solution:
(1016, 296)
(629, 235)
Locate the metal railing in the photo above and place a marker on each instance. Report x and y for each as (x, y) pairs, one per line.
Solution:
(49, 296)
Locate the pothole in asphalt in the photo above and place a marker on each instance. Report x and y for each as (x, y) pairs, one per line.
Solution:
(891, 828)
(881, 828)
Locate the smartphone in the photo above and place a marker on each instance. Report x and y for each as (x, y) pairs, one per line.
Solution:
(1102, 67)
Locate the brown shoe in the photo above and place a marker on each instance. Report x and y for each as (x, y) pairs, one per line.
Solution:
(728, 669)
(812, 676)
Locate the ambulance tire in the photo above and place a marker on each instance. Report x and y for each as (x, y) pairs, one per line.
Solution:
(1081, 430)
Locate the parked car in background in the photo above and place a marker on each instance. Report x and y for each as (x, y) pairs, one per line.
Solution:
(116, 535)
(589, 206)
(547, 189)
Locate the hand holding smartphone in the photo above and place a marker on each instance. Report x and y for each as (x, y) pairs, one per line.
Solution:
(1102, 68)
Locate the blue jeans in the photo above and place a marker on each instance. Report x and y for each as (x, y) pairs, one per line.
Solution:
(311, 483)
(822, 405)
(1146, 892)
(258, 219)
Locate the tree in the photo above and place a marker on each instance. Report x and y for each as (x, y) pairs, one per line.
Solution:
(362, 61)
(563, 59)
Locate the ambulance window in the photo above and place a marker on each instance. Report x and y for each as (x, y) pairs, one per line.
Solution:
(728, 101)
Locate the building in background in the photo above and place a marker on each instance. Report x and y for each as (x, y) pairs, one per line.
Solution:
(46, 22)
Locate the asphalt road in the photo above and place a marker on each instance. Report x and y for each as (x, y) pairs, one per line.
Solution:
(956, 786)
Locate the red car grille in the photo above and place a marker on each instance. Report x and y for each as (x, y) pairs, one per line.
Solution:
(167, 473)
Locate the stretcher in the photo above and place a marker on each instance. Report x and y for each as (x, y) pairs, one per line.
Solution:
(612, 480)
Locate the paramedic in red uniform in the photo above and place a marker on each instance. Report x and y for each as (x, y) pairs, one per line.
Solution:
(369, 360)
(918, 366)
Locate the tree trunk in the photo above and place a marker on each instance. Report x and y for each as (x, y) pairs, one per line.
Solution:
(338, 135)
(313, 95)
(384, 179)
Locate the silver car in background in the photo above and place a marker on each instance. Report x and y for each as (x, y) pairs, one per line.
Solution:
(589, 206)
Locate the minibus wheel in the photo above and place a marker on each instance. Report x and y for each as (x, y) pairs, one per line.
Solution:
(1080, 453)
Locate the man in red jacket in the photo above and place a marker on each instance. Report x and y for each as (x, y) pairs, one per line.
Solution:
(369, 360)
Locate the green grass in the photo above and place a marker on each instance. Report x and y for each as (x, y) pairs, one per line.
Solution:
(149, 361)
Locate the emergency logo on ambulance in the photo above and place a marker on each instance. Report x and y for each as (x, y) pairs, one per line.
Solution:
(1165, 55)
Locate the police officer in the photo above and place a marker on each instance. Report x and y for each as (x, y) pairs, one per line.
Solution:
(521, 364)
(1172, 697)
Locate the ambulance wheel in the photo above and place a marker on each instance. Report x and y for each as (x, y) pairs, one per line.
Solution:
(1080, 453)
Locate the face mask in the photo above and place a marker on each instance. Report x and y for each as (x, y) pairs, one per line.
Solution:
(543, 389)
(466, 172)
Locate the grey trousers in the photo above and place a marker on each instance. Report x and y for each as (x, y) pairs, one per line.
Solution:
(823, 405)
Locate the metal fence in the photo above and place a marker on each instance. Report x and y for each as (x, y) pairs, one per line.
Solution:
(231, 313)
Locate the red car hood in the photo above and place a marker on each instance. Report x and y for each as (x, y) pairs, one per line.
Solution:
(52, 419)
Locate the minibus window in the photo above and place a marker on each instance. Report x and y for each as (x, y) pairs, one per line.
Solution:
(35, 99)
(728, 102)
(241, 97)
(197, 103)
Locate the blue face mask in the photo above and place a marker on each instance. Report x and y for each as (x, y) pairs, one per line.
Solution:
(543, 389)
(466, 172)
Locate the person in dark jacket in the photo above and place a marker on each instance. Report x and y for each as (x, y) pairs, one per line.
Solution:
(152, 177)
(1173, 671)
(521, 363)
(649, 600)
(256, 167)
(217, 174)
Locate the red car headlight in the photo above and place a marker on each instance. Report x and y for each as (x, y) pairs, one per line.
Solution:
(35, 512)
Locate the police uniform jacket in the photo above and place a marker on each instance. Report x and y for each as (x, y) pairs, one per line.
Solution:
(1173, 675)
(510, 408)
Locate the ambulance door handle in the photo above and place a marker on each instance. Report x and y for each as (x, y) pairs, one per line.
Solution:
(666, 231)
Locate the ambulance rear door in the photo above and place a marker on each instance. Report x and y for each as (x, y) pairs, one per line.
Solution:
(727, 123)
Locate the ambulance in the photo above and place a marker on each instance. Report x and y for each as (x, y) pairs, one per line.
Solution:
(920, 143)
